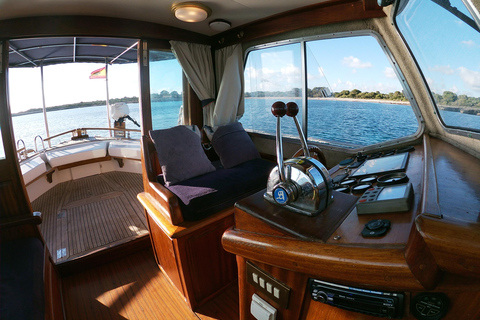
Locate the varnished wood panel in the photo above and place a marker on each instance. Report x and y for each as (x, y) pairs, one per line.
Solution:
(381, 268)
(207, 267)
(165, 253)
(315, 15)
(317, 228)
(295, 281)
(93, 26)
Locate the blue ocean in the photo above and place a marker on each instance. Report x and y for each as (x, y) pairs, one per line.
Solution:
(351, 123)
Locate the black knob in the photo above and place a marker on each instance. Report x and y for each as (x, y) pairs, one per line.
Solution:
(320, 296)
(279, 109)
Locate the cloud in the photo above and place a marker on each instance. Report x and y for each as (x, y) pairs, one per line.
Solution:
(469, 43)
(356, 63)
(389, 73)
(268, 79)
(442, 69)
(470, 77)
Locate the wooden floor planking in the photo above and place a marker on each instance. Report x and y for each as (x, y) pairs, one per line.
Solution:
(134, 288)
(84, 215)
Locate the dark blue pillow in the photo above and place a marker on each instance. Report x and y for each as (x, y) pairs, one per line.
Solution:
(233, 145)
(180, 154)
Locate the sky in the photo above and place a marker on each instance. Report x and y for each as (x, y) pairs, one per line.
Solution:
(69, 83)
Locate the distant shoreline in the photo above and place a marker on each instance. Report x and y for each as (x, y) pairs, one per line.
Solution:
(340, 99)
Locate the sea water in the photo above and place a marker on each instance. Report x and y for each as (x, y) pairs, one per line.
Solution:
(353, 123)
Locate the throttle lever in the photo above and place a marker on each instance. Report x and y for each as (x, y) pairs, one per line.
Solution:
(292, 111)
(279, 109)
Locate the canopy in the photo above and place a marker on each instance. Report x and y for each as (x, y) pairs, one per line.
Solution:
(32, 52)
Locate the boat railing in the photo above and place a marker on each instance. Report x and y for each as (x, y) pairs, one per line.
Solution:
(82, 133)
(22, 152)
(35, 142)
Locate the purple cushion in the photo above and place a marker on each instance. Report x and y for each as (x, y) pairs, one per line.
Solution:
(233, 145)
(180, 154)
(209, 193)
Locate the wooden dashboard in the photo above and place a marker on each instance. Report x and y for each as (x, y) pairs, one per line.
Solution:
(434, 247)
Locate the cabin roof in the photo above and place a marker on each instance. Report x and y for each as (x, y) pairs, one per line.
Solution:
(237, 12)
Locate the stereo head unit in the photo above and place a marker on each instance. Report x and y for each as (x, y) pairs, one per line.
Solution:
(376, 303)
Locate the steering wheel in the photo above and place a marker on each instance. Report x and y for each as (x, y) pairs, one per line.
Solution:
(315, 153)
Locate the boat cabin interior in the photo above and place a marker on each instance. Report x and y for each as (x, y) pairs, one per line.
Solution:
(313, 159)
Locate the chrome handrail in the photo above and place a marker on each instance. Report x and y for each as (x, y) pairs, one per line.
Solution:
(35, 141)
(22, 150)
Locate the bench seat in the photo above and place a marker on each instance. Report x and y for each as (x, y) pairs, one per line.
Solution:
(128, 149)
(209, 193)
(75, 153)
(32, 168)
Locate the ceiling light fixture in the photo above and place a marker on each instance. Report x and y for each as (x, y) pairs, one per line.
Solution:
(220, 25)
(191, 11)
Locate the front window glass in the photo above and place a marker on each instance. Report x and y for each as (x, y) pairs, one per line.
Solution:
(446, 43)
(165, 89)
(353, 94)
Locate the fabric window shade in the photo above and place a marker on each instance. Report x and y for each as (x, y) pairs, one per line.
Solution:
(197, 65)
(230, 100)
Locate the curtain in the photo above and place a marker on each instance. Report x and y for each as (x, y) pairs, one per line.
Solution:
(197, 65)
(230, 100)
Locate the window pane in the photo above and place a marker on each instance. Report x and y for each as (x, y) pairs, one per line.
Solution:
(272, 74)
(446, 44)
(354, 95)
(165, 89)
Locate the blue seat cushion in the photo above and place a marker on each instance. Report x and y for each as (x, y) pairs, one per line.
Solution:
(207, 194)
(22, 292)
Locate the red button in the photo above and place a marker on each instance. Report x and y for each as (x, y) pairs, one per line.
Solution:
(362, 200)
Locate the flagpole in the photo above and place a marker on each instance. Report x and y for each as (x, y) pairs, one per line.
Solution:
(44, 106)
(108, 99)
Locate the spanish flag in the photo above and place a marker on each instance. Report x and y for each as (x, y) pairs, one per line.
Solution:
(99, 73)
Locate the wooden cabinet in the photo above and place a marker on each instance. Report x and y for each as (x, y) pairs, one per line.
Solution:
(191, 254)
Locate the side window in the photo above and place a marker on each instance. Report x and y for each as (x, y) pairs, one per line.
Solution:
(165, 89)
(353, 95)
(272, 74)
(446, 44)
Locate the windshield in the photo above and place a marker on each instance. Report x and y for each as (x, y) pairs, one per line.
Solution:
(445, 41)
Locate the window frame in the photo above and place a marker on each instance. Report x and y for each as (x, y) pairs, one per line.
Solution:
(345, 34)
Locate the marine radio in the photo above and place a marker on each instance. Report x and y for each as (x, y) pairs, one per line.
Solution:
(380, 304)
(301, 184)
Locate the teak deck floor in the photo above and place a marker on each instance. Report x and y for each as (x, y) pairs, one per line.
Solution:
(85, 215)
(134, 288)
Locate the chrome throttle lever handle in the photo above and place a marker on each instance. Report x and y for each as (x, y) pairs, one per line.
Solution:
(292, 111)
(279, 109)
